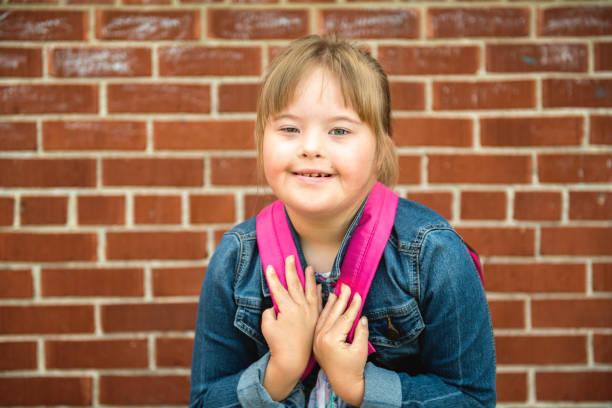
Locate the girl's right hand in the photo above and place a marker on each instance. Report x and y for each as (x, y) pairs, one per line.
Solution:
(289, 333)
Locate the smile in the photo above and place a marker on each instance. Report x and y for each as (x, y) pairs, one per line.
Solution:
(312, 174)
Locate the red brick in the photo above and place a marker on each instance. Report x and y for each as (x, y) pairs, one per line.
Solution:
(603, 56)
(46, 319)
(590, 205)
(212, 209)
(568, 313)
(156, 209)
(47, 247)
(531, 131)
(94, 135)
(204, 135)
(42, 210)
(45, 391)
(511, 387)
(254, 203)
(476, 168)
(537, 205)
(536, 277)
(17, 136)
(574, 21)
(483, 95)
(107, 2)
(537, 58)
(173, 352)
(407, 95)
(96, 353)
(511, 241)
(178, 281)
(541, 349)
(185, 172)
(602, 348)
(18, 355)
(601, 130)
(238, 97)
(7, 210)
(409, 170)
(92, 282)
(441, 202)
(144, 390)
(477, 22)
(257, 24)
(20, 62)
(158, 98)
(149, 245)
(218, 234)
(101, 210)
(371, 23)
(30, 99)
(591, 93)
(574, 168)
(430, 60)
(148, 317)
(507, 314)
(574, 386)
(482, 205)
(602, 277)
(47, 172)
(99, 62)
(16, 283)
(44, 25)
(33, 1)
(238, 171)
(148, 25)
(576, 241)
(198, 61)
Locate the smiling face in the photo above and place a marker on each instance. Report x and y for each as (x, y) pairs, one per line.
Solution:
(318, 156)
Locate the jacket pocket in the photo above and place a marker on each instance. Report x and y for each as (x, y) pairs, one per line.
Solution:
(394, 327)
(248, 317)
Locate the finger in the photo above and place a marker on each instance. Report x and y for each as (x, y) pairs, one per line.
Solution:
(361, 334)
(294, 286)
(281, 296)
(311, 286)
(268, 315)
(319, 298)
(345, 321)
(331, 300)
(339, 305)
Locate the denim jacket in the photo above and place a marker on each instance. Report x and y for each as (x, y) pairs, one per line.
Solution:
(427, 317)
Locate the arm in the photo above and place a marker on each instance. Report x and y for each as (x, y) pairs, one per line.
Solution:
(457, 348)
(225, 368)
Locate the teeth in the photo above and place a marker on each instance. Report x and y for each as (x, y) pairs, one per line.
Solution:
(314, 175)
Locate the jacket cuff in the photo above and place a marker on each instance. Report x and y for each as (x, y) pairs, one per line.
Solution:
(251, 392)
(383, 388)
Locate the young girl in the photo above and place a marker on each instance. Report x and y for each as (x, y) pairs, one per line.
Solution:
(324, 139)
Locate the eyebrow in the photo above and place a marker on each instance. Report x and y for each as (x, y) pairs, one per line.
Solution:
(332, 119)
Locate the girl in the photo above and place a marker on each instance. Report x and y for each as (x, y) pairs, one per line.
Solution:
(324, 139)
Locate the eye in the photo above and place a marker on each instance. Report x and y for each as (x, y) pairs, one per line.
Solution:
(339, 132)
(289, 129)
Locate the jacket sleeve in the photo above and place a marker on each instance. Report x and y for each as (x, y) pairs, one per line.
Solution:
(457, 348)
(226, 370)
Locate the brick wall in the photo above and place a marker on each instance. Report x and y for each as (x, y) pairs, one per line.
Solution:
(126, 151)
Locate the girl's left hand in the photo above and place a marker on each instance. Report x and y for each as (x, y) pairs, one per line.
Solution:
(342, 362)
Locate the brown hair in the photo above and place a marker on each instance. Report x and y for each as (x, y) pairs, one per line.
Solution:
(363, 84)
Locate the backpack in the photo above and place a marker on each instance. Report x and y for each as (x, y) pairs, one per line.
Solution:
(366, 246)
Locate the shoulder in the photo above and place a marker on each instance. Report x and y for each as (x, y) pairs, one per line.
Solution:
(413, 221)
(244, 231)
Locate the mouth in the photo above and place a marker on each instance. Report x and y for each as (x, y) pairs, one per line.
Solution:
(312, 174)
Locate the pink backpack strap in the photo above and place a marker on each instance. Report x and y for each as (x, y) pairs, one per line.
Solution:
(477, 264)
(368, 241)
(367, 246)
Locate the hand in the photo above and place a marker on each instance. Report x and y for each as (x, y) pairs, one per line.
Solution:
(342, 362)
(289, 333)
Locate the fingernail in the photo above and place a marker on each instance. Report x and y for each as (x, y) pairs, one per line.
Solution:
(345, 288)
(290, 259)
(270, 270)
(363, 321)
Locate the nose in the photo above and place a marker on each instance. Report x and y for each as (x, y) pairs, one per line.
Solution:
(312, 145)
